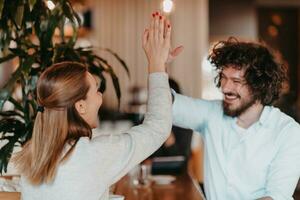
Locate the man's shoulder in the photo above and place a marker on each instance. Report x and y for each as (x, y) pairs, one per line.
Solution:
(277, 115)
(282, 122)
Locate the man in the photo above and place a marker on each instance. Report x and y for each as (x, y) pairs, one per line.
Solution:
(252, 150)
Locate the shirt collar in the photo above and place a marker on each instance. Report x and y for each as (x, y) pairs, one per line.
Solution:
(264, 115)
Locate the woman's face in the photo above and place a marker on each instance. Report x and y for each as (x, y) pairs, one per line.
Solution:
(89, 107)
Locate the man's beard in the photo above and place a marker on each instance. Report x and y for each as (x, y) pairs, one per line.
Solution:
(239, 110)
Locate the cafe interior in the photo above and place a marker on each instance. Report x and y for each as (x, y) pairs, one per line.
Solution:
(113, 29)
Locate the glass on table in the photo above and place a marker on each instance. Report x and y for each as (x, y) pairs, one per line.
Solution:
(140, 176)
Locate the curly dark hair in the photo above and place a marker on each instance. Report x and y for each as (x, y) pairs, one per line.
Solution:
(264, 74)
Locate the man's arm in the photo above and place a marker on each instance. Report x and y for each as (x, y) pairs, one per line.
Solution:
(189, 112)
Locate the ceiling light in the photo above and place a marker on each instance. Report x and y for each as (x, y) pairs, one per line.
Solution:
(50, 5)
(167, 6)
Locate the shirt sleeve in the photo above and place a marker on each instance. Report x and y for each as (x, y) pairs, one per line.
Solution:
(190, 113)
(141, 141)
(285, 168)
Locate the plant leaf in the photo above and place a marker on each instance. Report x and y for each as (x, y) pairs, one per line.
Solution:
(7, 89)
(27, 133)
(5, 154)
(27, 64)
(4, 95)
(10, 113)
(68, 12)
(7, 150)
(17, 105)
(116, 84)
(11, 125)
(8, 57)
(19, 15)
(1, 7)
(120, 60)
(31, 4)
(18, 52)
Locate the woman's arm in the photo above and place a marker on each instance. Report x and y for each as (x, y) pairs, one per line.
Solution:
(141, 141)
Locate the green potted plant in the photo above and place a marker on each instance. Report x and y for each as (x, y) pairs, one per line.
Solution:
(33, 34)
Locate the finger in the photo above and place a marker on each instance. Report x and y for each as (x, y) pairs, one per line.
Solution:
(145, 37)
(153, 15)
(161, 27)
(165, 26)
(175, 52)
(151, 29)
(168, 34)
(156, 25)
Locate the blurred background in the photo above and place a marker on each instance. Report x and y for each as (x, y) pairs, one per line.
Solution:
(197, 25)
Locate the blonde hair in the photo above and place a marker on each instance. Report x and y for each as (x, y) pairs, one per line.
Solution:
(59, 88)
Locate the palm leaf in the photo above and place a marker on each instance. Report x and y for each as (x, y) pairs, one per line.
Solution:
(6, 58)
(10, 113)
(1, 7)
(6, 152)
(120, 60)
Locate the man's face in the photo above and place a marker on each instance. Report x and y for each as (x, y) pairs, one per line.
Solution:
(237, 94)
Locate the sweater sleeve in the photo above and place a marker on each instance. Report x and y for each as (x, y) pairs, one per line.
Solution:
(129, 149)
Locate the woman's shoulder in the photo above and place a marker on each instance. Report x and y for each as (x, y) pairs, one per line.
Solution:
(103, 142)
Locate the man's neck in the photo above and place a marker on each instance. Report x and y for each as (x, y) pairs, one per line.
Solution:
(250, 116)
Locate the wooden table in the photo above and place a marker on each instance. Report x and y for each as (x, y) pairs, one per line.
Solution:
(10, 196)
(182, 188)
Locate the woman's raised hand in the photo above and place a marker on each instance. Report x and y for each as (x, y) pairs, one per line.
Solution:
(156, 42)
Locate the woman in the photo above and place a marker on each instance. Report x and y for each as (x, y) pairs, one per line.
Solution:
(62, 161)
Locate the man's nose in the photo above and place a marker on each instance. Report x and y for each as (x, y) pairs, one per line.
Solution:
(227, 86)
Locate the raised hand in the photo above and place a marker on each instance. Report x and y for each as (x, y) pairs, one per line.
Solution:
(156, 43)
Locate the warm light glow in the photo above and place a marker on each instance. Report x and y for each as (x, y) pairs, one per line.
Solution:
(167, 6)
(50, 5)
(272, 31)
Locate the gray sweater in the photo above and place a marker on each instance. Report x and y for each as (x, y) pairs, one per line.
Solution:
(96, 164)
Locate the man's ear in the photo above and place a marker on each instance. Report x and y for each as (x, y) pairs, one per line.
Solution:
(80, 107)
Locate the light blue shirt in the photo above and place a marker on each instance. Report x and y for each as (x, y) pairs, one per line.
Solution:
(242, 164)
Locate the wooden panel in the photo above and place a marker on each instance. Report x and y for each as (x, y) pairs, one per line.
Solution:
(10, 196)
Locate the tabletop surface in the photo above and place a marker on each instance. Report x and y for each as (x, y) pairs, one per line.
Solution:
(182, 188)
(10, 196)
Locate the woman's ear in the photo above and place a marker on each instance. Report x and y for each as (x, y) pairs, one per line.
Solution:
(80, 107)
